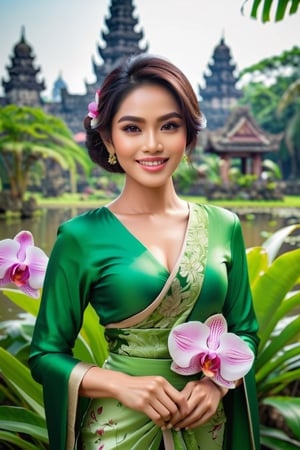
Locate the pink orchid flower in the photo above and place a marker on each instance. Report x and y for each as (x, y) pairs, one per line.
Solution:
(22, 263)
(208, 347)
(93, 109)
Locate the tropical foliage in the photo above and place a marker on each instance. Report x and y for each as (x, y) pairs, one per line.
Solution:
(263, 9)
(29, 136)
(273, 281)
(271, 89)
(277, 301)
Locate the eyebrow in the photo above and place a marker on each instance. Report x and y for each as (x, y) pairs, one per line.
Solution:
(170, 115)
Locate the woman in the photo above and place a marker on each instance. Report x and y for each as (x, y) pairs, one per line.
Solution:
(147, 262)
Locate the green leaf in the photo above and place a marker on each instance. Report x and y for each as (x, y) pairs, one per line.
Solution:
(28, 304)
(21, 420)
(19, 375)
(271, 289)
(266, 10)
(275, 364)
(278, 382)
(277, 440)
(281, 9)
(93, 333)
(254, 10)
(287, 306)
(289, 408)
(287, 336)
(17, 441)
(275, 241)
(257, 259)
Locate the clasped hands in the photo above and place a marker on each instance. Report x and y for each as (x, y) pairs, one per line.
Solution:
(169, 408)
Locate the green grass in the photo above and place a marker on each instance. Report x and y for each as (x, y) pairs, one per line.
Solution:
(78, 200)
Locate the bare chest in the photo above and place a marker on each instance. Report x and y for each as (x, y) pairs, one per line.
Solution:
(162, 236)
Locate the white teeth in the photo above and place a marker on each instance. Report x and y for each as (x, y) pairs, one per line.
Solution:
(151, 163)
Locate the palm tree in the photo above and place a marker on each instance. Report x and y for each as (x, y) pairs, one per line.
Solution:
(28, 135)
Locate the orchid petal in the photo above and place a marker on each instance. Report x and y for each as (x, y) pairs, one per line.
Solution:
(236, 357)
(5, 279)
(186, 341)
(218, 379)
(97, 95)
(93, 110)
(190, 370)
(8, 255)
(218, 326)
(37, 261)
(35, 293)
(25, 240)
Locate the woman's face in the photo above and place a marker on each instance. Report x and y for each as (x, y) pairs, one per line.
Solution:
(149, 135)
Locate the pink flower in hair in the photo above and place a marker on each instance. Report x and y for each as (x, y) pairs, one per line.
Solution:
(93, 110)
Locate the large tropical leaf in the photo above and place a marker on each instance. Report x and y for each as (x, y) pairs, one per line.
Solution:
(289, 408)
(257, 258)
(271, 289)
(274, 439)
(19, 376)
(23, 301)
(289, 335)
(93, 333)
(17, 441)
(275, 241)
(277, 364)
(21, 420)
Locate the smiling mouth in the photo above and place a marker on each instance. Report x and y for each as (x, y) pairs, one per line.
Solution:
(154, 163)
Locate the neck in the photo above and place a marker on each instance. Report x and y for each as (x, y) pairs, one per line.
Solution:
(145, 200)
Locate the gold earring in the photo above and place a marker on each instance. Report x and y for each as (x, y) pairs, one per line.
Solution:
(185, 158)
(112, 159)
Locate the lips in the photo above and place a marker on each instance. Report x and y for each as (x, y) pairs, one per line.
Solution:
(152, 162)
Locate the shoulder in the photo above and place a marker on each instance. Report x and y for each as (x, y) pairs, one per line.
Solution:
(221, 216)
(84, 225)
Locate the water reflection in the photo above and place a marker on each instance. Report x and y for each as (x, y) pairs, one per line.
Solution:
(256, 228)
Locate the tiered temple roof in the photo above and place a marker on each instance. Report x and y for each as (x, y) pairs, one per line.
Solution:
(220, 93)
(121, 41)
(23, 87)
(241, 138)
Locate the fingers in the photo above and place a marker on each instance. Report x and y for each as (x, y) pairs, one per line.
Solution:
(154, 396)
(203, 399)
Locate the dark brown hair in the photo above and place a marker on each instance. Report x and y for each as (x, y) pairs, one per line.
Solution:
(135, 71)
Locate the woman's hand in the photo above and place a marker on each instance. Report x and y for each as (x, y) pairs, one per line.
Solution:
(154, 396)
(151, 395)
(203, 398)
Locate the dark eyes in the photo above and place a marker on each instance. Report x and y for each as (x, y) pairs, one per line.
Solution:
(131, 129)
(169, 126)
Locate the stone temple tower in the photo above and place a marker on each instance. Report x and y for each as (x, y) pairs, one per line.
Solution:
(121, 40)
(23, 87)
(220, 93)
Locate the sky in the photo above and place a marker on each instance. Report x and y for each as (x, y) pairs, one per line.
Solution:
(65, 35)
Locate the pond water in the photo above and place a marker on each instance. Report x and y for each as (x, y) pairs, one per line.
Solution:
(256, 228)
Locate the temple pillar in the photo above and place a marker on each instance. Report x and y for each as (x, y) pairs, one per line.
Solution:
(224, 168)
(257, 165)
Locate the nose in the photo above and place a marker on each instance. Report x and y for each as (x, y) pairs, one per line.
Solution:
(152, 143)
